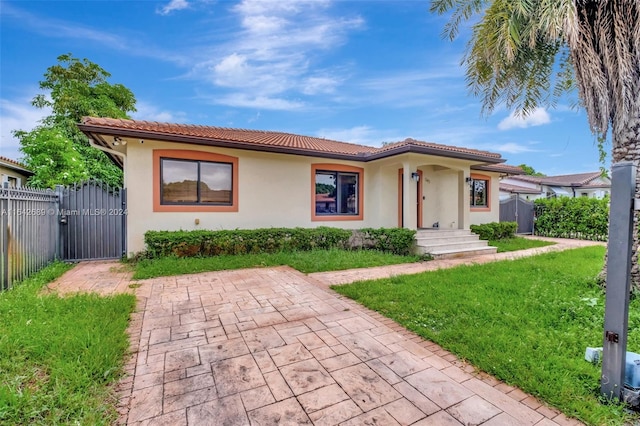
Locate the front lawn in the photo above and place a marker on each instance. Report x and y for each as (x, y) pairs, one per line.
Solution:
(526, 321)
(518, 243)
(304, 261)
(60, 357)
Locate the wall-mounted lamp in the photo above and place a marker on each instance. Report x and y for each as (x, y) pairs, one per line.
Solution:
(468, 180)
(415, 176)
(118, 141)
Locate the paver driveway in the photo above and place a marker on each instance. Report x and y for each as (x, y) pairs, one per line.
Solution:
(274, 347)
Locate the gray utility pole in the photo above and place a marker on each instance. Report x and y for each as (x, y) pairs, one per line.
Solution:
(616, 314)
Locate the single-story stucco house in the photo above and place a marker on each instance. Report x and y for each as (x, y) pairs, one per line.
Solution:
(185, 177)
(13, 173)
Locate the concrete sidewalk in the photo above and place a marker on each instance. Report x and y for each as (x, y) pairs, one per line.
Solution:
(274, 346)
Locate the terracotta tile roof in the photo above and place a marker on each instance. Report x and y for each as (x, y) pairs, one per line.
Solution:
(413, 142)
(517, 189)
(272, 141)
(578, 179)
(499, 168)
(255, 137)
(9, 162)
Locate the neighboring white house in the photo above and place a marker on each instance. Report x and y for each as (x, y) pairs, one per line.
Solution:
(13, 173)
(593, 185)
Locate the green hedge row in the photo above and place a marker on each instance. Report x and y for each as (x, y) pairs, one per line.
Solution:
(495, 230)
(270, 240)
(564, 217)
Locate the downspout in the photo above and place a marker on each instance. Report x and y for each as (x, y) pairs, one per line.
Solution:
(114, 152)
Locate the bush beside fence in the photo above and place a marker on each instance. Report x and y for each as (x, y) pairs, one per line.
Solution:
(495, 230)
(270, 240)
(581, 218)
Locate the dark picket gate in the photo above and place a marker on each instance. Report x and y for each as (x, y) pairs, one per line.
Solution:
(515, 209)
(92, 221)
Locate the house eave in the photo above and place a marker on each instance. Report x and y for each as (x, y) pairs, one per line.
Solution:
(98, 132)
(417, 149)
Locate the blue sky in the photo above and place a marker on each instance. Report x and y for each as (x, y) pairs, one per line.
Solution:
(365, 72)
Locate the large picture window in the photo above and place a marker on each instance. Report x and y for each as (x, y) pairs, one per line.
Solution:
(192, 181)
(337, 192)
(479, 193)
(196, 182)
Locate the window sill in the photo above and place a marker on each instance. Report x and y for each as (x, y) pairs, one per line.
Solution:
(187, 208)
(333, 218)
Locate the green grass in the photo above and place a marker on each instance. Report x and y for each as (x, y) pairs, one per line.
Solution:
(517, 243)
(526, 322)
(304, 261)
(59, 357)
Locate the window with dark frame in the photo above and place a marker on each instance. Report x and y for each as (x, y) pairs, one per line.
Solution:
(195, 182)
(336, 193)
(478, 193)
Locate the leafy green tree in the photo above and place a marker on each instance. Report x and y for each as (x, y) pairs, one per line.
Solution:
(528, 53)
(530, 171)
(74, 88)
(51, 157)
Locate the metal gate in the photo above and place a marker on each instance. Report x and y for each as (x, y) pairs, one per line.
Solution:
(515, 209)
(92, 221)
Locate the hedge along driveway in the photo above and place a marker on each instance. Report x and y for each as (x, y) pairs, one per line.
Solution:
(564, 217)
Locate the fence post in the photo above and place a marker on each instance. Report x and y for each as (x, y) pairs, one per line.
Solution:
(123, 195)
(60, 249)
(616, 315)
(4, 238)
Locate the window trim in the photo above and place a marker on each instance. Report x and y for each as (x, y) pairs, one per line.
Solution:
(329, 167)
(486, 178)
(181, 154)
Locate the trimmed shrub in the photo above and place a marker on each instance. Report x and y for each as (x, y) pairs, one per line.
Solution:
(495, 230)
(393, 240)
(584, 218)
(270, 240)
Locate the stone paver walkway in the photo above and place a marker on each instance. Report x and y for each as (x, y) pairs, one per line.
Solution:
(273, 346)
(351, 275)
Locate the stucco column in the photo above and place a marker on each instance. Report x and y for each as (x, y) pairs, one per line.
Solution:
(409, 213)
(464, 205)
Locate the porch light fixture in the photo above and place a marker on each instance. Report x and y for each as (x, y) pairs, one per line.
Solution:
(415, 176)
(116, 141)
(468, 180)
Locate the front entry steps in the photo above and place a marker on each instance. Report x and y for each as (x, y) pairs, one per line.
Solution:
(451, 243)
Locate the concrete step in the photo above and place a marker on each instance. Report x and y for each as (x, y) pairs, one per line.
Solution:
(464, 245)
(451, 243)
(439, 239)
(454, 254)
(427, 233)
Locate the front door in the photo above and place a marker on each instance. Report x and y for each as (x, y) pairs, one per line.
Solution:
(419, 199)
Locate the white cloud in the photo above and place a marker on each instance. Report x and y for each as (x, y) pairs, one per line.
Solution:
(512, 148)
(537, 117)
(173, 5)
(435, 85)
(362, 135)
(315, 85)
(272, 53)
(17, 114)
(260, 102)
(133, 44)
(150, 112)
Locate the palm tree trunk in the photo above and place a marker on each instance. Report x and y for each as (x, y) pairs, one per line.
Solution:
(626, 147)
